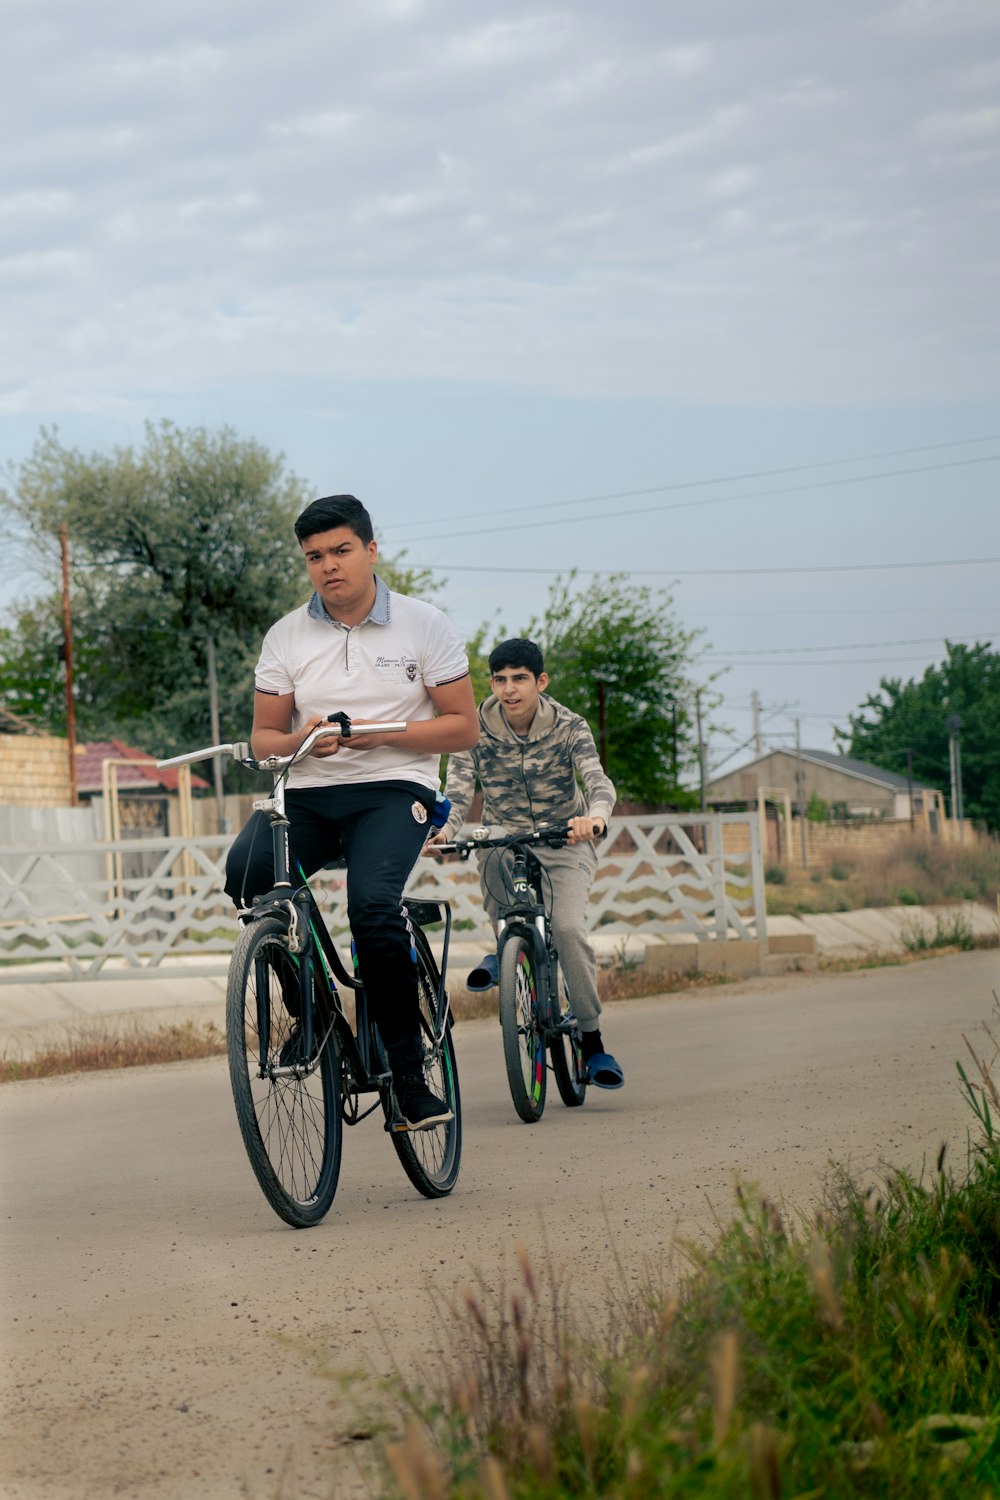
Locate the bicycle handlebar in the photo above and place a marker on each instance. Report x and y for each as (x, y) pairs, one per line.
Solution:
(337, 726)
(555, 837)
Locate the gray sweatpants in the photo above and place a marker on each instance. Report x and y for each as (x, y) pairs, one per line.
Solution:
(569, 874)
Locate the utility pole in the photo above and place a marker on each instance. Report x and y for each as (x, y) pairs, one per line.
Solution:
(701, 746)
(909, 784)
(68, 659)
(800, 789)
(602, 722)
(755, 705)
(953, 724)
(673, 735)
(213, 713)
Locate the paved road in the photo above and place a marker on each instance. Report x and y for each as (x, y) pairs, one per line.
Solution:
(165, 1336)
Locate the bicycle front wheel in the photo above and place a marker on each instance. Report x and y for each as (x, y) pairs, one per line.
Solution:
(523, 1040)
(291, 1125)
(431, 1158)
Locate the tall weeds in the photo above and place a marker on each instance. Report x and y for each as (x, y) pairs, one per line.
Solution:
(852, 1353)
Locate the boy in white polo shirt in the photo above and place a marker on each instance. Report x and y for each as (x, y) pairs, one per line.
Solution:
(359, 648)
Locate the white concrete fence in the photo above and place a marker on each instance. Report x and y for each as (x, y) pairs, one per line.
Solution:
(90, 910)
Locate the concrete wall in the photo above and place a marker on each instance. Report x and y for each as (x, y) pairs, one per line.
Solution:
(34, 771)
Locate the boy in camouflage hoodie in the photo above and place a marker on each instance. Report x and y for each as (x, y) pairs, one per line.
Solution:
(532, 756)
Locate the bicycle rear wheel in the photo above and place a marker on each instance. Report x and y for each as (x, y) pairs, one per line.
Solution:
(431, 1158)
(523, 1041)
(569, 1067)
(291, 1126)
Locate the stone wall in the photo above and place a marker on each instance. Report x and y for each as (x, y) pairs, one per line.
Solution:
(34, 771)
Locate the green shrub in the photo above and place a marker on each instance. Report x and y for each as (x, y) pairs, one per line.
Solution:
(949, 932)
(839, 872)
(817, 811)
(907, 896)
(775, 874)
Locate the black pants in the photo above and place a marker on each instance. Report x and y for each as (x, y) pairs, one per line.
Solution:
(374, 829)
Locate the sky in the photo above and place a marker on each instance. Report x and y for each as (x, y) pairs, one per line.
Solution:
(706, 295)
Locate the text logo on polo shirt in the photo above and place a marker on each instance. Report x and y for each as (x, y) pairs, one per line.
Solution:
(397, 668)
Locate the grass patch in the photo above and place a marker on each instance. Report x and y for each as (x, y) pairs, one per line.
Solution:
(949, 932)
(911, 872)
(853, 1353)
(627, 980)
(96, 1048)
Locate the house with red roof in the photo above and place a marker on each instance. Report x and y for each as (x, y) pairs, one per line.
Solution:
(135, 770)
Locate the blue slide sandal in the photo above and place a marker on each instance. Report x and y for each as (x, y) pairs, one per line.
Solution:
(604, 1071)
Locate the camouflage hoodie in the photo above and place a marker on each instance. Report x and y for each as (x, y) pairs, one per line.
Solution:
(532, 781)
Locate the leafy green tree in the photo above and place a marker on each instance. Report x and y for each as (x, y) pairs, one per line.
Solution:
(912, 715)
(189, 537)
(621, 645)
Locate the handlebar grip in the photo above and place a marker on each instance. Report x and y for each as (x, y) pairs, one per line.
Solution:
(239, 751)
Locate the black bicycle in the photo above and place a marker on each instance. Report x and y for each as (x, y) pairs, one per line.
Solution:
(299, 1069)
(535, 1013)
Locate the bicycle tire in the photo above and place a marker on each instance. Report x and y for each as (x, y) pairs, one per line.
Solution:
(569, 1068)
(523, 1039)
(292, 1127)
(431, 1158)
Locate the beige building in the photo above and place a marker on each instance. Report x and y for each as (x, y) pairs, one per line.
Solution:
(851, 788)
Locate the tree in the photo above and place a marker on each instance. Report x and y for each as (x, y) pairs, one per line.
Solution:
(912, 716)
(616, 651)
(190, 537)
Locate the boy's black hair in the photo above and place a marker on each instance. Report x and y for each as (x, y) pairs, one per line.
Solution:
(332, 511)
(517, 653)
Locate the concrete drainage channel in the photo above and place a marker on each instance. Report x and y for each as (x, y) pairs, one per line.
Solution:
(41, 1011)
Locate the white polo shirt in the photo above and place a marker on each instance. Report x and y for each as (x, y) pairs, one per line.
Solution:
(380, 668)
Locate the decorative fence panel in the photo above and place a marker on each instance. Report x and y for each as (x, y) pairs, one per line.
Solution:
(87, 910)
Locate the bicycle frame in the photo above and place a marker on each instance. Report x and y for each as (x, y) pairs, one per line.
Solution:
(308, 937)
(528, 917)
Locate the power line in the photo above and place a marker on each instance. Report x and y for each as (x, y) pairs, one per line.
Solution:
(927, 640)
(908, 609)
(645, 510)
(692, 484)
(955, 562)
(862, 661)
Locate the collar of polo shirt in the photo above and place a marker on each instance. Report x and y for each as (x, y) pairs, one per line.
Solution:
(377, 615)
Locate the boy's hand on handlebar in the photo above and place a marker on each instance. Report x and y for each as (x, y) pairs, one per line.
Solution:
(324, 748)
(368, 741)
(436, 838)
(582, 830)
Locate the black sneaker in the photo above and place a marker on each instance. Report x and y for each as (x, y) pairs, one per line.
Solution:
(420, 1109)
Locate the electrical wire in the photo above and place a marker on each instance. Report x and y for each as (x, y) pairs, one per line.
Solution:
(927, 640)
(692, 484)
(645, 510)
(607, 572)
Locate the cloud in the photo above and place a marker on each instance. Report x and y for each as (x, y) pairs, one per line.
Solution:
(324, 126)
(962, 127)
(782, 204)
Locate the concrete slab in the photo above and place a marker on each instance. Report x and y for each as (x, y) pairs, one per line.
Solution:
(40, 1009)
